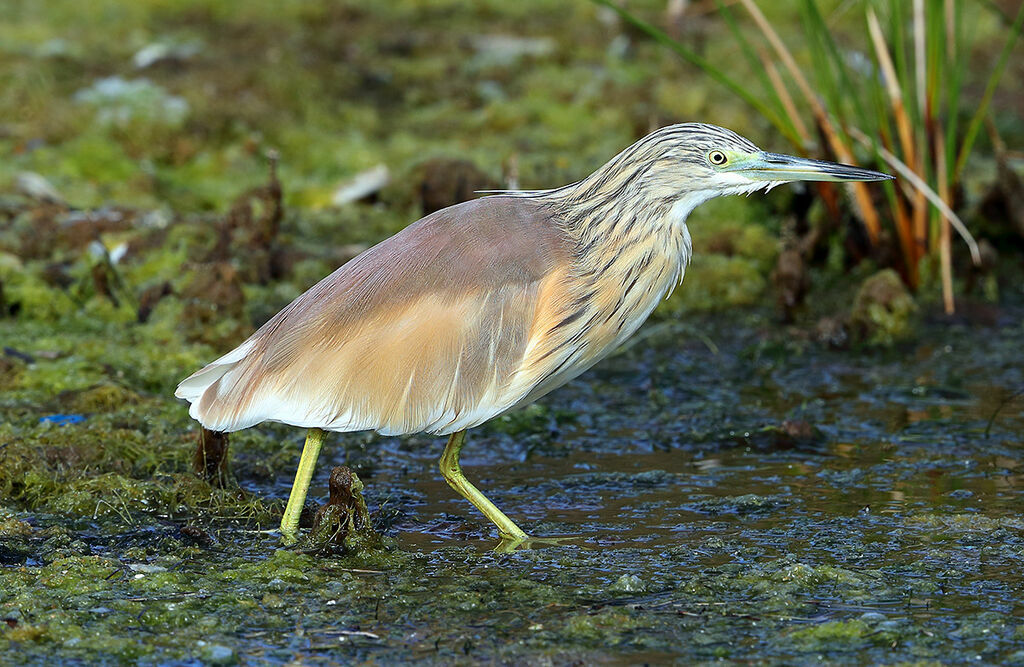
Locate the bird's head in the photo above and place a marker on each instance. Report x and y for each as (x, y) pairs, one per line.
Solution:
(693, 162)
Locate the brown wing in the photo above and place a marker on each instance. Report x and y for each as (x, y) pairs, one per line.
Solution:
(426, 331)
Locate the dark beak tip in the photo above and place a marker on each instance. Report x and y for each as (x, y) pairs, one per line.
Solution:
(869, 175)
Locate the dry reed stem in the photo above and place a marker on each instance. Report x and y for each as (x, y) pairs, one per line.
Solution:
(950, 28)
(787, 101)
(892, 87)
(925, 130)
(920, 61)
(945, 236)
(918, 183)
(901, 220)
(913, 158)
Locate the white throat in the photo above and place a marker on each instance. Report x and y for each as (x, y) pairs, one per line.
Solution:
(728, 184)
(683, 207)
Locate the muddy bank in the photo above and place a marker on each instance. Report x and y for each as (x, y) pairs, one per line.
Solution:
(884, 527)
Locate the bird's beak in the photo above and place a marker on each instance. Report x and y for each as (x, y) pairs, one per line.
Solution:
(781, 168)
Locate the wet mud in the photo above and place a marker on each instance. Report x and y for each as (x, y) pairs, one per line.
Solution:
(765, 497)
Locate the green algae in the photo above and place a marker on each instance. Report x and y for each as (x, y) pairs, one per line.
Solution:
(836, 636)
(883, 310)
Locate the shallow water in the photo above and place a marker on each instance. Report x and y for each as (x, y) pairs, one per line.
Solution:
(885, 528)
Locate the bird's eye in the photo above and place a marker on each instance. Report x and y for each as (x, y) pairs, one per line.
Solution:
(717, 158)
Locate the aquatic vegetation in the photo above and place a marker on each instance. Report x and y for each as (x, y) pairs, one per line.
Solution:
(901, 95)
(883, 310)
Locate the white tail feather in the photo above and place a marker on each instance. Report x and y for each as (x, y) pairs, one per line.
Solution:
(194, 386)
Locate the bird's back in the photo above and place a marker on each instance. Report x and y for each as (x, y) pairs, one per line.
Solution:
(431, 330)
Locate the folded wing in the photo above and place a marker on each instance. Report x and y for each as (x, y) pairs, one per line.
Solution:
(430, 330)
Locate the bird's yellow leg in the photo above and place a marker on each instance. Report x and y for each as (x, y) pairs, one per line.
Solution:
(297, 498)
(452, 473)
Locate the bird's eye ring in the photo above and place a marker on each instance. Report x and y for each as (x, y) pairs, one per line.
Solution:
(717, 158)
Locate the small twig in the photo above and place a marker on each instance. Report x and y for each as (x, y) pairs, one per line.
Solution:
(164, 598)
(343, 633)
(354, 570)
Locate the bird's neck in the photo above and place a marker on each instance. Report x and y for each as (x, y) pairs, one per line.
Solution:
(626, 228)
(628, 257)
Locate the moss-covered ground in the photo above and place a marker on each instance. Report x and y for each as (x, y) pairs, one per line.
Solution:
(737, 489)
(885, 528)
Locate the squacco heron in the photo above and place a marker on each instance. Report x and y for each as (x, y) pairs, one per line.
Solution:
(486, 306)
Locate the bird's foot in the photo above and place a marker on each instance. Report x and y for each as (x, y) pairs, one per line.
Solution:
(509, 544)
